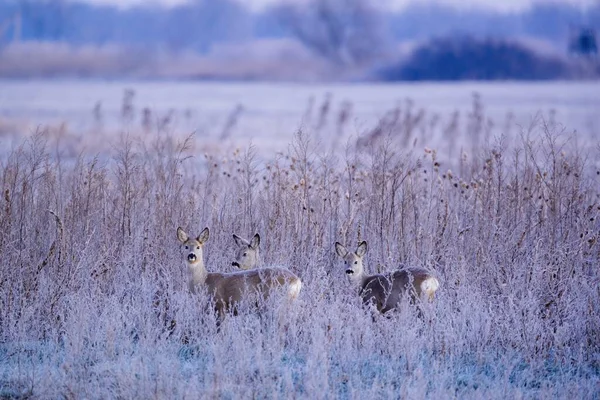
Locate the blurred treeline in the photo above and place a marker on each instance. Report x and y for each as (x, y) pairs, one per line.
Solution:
(359, 37)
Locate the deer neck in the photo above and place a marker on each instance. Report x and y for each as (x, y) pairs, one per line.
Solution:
(362, 282)
(359, 280)
(364, 278)
(198, 274)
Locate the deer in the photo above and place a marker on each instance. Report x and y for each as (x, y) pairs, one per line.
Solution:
(247, 256)
(385, 291)
(228, 290)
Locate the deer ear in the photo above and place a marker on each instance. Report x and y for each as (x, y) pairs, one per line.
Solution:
(181, 235)
(255, 241)
(240, 241)
(203, 236)
(361, 250)
(340, 250)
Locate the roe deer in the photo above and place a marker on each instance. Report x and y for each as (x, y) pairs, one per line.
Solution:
(247, 259)
(229, 289)
(247, 254)
(386, 290)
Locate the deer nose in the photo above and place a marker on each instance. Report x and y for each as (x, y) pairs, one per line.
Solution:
(191, 257)
(349, 272)
(235, 264)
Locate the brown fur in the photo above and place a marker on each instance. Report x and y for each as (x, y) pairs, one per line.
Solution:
(228, 290)
(386, 291)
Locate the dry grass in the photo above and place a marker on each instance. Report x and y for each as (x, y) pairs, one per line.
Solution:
(88, 298)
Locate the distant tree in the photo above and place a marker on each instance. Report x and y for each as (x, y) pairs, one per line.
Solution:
(583, 42)
(200, 23)
(476, 59)
(346, 32)
(195, 25)
(44, 19)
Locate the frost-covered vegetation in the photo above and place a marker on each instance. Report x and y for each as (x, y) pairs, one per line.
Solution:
(93, 289)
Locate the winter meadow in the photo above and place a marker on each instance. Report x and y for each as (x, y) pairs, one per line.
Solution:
(94, 299)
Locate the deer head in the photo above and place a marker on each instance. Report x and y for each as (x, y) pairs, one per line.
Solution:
(247, 253)
(353, 262)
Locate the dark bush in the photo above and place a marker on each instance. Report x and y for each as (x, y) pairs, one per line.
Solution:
(476, 59)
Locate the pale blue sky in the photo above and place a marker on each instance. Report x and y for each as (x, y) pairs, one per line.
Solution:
(500, 5)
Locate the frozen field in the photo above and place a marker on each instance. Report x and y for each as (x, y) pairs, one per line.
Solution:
(95, 113)
(94, 299)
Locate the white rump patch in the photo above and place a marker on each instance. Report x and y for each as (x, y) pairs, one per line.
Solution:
(430, 285)
(294, 289)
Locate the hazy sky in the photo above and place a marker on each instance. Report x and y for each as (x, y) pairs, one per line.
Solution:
(501, 5)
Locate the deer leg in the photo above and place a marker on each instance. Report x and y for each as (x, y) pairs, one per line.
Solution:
(220, 316)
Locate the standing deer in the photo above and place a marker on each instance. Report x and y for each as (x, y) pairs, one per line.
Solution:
(229, 289)
(386, 290)
(247, 256)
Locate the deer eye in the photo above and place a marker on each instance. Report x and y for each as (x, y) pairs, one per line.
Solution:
(197, 247)
(245, 254)
(186, 247)
(355, 262)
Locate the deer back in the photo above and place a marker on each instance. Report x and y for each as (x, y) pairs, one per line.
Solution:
(251, 285)
(386, 291)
